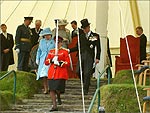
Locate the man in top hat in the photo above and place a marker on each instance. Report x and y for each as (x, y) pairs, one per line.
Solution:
(88, 42)
(7, 44)
(36, 31)
(23, 43)
(63, 32)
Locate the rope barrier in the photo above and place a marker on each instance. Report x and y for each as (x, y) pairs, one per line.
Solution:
(13, 11)
(80, 65)
(33, 8)
(67, 9)
(124, 31)
(85, 8)
(48, 13)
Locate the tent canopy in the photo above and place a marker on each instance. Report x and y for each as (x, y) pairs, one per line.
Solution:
(12, 13)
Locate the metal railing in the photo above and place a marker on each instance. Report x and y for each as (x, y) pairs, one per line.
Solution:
(7, 74)
(97, 92)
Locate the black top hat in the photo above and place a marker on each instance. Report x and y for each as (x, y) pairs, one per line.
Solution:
(60, 39)
(84, 23)
(28, 18)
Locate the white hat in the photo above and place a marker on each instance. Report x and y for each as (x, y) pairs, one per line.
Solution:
(62, 22)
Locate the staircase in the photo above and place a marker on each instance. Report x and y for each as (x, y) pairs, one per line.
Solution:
(71, 100)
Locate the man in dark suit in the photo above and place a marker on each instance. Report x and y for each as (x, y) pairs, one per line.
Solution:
(7, 44)
(36, 31)
(75, 29)
(88, 42)
(143, 42)
(23, 44)
(109, 60)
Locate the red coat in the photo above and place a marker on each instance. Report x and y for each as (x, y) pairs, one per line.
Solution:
(60, 72)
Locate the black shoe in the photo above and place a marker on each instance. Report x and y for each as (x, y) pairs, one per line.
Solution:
(59, 102)
(53, 109)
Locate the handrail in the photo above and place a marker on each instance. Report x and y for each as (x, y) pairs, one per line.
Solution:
(14, 94)
(98, 88)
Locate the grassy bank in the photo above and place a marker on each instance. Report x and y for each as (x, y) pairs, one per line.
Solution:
(26, 86)
(120, 96)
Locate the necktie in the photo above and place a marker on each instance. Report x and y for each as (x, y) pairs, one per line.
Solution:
(86, 35)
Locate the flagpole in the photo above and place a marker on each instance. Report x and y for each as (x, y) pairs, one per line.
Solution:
(56, 43)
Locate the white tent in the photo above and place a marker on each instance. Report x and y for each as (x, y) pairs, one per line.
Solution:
(104, 16)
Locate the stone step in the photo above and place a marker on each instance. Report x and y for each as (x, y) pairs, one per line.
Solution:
(78, 90)
(93, 81)
(64, 96)
(71, 100)
(46, 108)
(68, 94)
(79, 93)
(78, 86)
(30, 107)
(66, 101)
(39, 112)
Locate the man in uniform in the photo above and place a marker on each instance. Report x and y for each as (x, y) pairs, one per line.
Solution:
(88, 42)
(36, 31)
(23, 44)
(7, 44)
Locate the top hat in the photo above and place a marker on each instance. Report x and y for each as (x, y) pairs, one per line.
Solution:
(62, 22)
(28, 18)
(46, 31)
(60, 39)
(84, 23)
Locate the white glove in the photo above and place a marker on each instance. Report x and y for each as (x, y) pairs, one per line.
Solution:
(17, 50)
(55, 58)
(56, 62)
(37, 62)
(68, 50)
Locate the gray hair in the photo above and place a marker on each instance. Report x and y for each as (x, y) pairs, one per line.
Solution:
(38, 21)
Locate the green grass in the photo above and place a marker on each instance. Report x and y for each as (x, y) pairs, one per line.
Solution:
(125, 77)
(26, 87)
(5, 99)
(120, 96)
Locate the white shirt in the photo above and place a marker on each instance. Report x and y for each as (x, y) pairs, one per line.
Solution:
(5, 34)
(37, 31)
(88, 34)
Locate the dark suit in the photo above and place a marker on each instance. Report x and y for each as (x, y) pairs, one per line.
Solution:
(23, 32)
(143, 42)
(87, 47)
(109, 58)
(74, 32)
(35, 36)
(6, 58)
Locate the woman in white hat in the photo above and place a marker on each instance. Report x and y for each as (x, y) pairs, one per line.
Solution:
(45, 45)
(63, 32)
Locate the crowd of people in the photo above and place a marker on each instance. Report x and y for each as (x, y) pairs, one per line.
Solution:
(50, 60)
